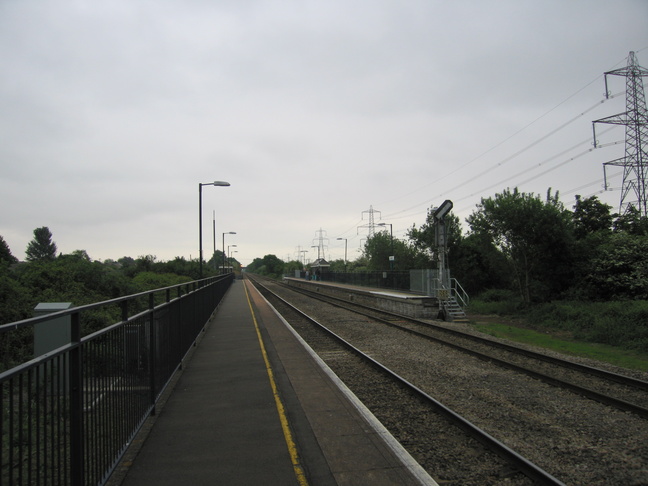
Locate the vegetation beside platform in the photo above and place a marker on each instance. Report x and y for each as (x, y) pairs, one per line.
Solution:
(613, 332)
(579, 275)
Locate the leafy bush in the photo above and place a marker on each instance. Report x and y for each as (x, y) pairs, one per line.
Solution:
(497, 301)
(144, 281)
(623, 324)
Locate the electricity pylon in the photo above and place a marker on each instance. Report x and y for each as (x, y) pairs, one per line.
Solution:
(320, 244)
(371, 224)
(635, 120)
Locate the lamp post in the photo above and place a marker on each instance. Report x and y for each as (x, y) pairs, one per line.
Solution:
(227, 233)
(391, 236)
(228, 252)
(345, 253)
(200, 251)
(214, 236)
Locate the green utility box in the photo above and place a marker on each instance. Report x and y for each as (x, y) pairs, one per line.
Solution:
(52, 334)
(48, 336)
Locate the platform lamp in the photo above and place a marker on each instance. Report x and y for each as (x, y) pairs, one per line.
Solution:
(228, 252)
(226, 233)
(200, 251)
(345, 253)
(214, 236)
(391, 236)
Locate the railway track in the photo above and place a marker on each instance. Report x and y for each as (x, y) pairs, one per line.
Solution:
(575, 439)
(620, 391)
(492, 462)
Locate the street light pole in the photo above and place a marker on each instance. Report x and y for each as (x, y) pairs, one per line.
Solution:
(214, 236)
(391, 237)
(228, 252)
(345, 253)
(227, 233)
(200, 251)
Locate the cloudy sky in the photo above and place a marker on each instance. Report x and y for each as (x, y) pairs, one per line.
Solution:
(112, 113)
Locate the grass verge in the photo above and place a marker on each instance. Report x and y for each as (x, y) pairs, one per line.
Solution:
(561, 342)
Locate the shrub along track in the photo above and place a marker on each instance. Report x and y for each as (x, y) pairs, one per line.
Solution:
(575, 439)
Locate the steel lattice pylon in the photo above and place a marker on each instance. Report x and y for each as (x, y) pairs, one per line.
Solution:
(371, 226)
(635, 120)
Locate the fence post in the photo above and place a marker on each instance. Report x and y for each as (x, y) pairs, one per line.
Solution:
(76, 404)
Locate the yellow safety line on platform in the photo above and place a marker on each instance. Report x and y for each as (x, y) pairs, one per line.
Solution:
(292, 448)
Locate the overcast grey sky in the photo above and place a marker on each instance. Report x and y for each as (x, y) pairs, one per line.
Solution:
(111, 113)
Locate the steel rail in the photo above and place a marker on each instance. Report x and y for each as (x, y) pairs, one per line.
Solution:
(525, 466)
(583, 391)
(609, 375)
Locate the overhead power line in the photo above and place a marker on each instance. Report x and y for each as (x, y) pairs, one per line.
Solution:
(507, 159)
(416, 209)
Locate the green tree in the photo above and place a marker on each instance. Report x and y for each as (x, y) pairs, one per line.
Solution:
(592, 228)
(291, 267)
(73, 278)
(360, 264)
(15, 298)
(269, 265)
(377, 249)
(5, 252)
(274, 265)
(479, 265)
(127, 265)
(423, 238)
(381, 246)
(473, 260)
(610, 257)
(41, 247)
(535, 236)
(591, 216)
(632, 223)
(618, 268)
(144, 281)
(338, 265)
(146, 263)
(15, 305)
(214, 264)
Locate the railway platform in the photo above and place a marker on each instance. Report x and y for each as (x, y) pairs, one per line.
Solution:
(398, 301)
(253, 405)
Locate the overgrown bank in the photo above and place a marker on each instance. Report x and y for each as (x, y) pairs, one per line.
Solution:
(616, 332)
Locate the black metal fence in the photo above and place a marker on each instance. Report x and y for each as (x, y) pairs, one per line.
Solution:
(382, 280)
(69, 415)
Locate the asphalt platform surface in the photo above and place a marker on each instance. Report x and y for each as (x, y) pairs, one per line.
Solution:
(254, 406)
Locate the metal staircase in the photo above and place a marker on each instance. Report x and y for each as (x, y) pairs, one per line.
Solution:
(453, 300)
(453, 310)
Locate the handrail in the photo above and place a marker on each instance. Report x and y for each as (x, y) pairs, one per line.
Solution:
(463, 295)
(456, 292)
(69, 414)
(73, 310)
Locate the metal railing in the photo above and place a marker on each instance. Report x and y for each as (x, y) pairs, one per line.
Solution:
(69, 415)
(454, 291)
(458, 292)
(385, 280)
